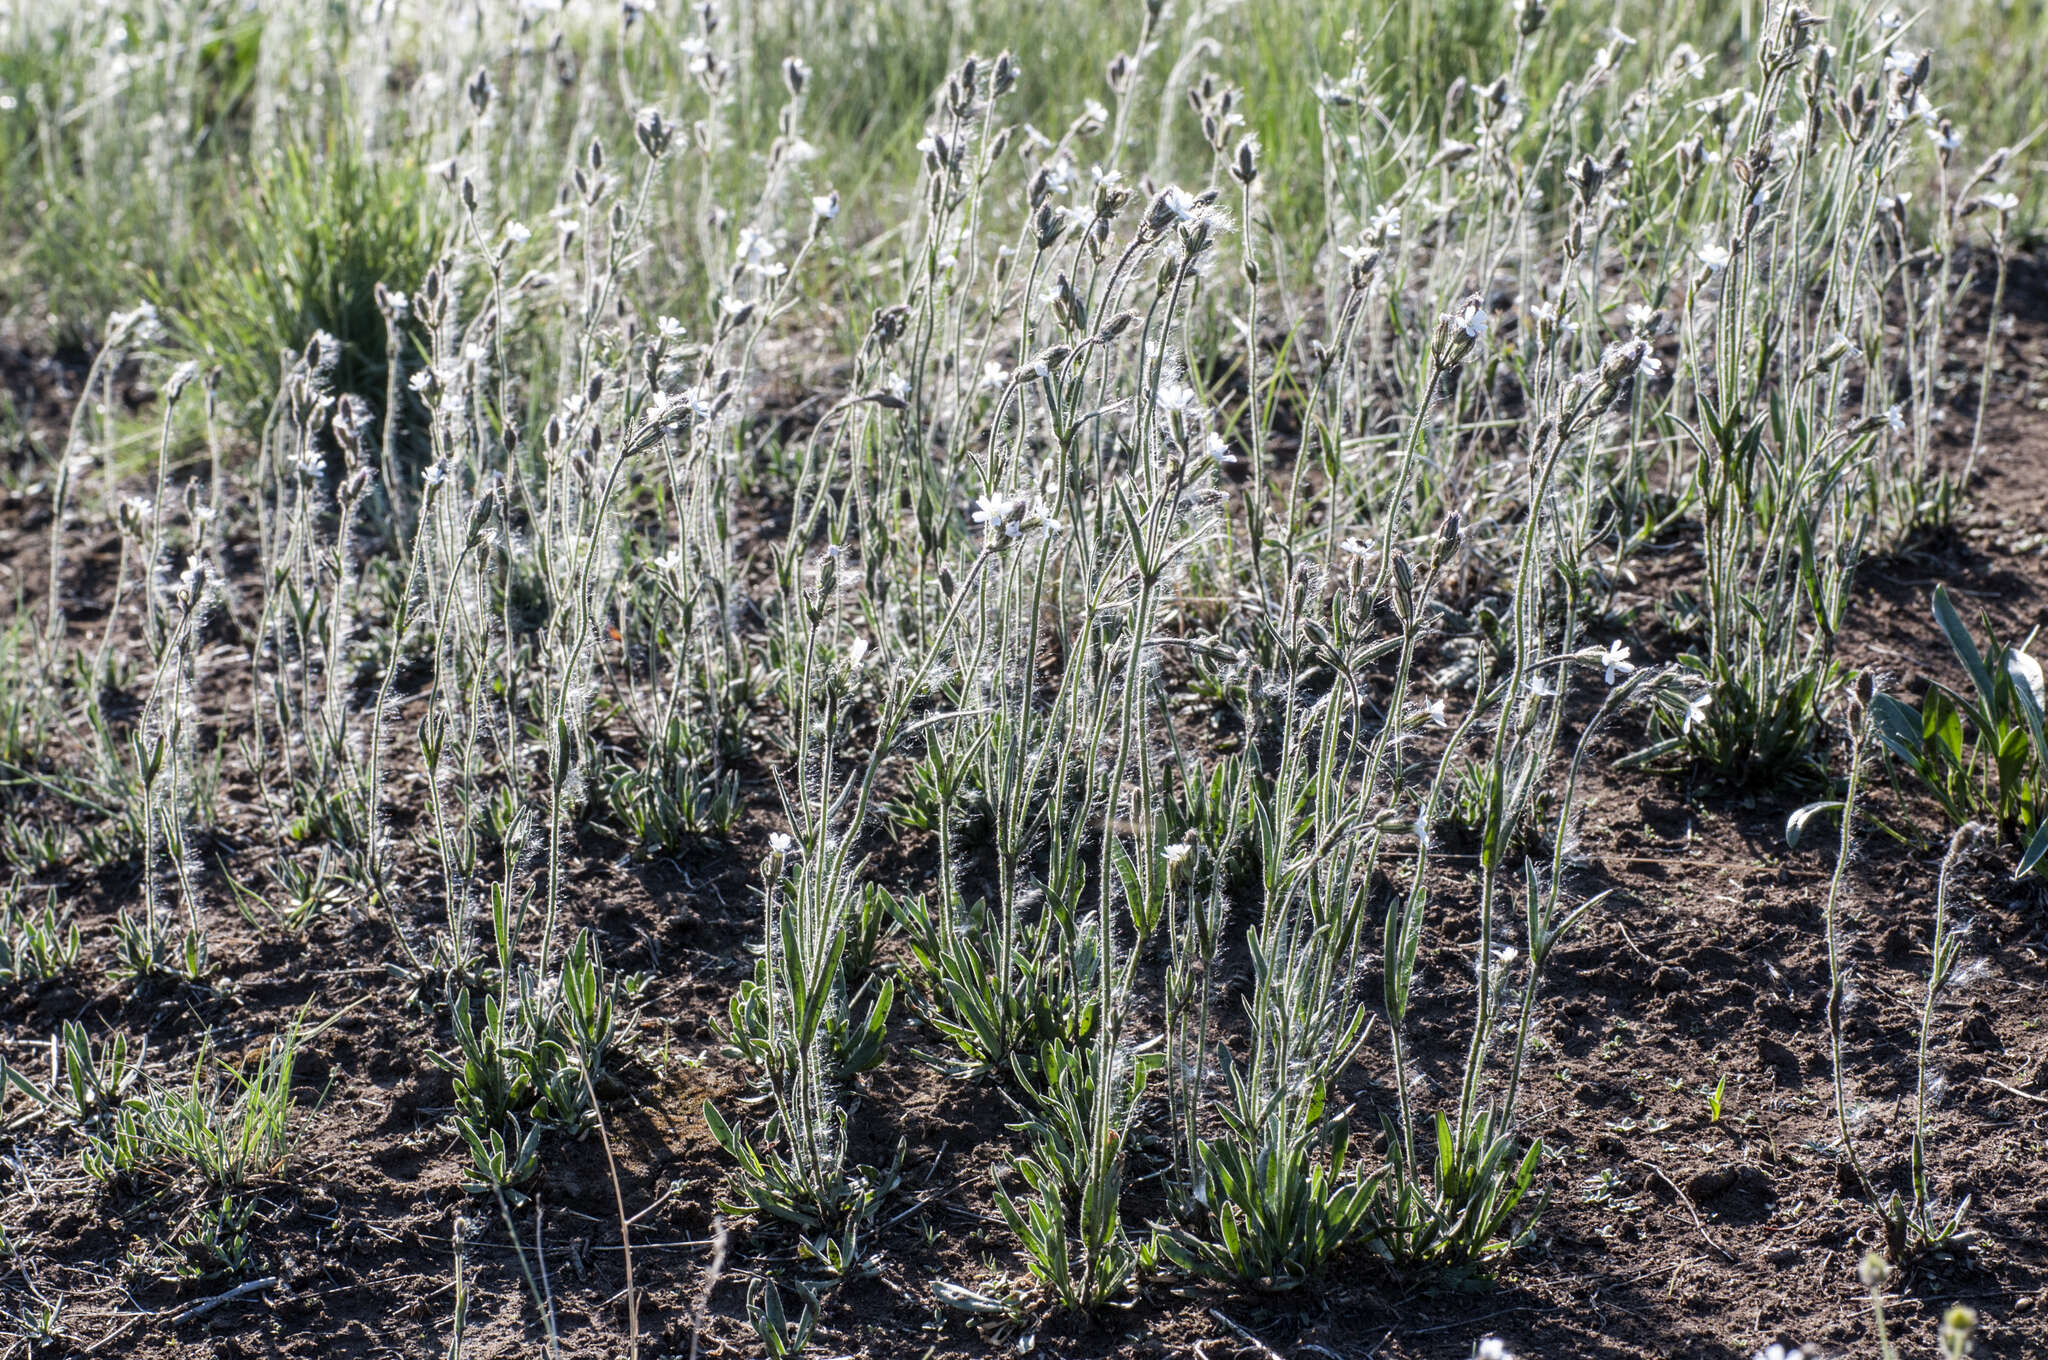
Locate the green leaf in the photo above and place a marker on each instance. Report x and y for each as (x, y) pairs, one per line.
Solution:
(1960, 641)
(2036, 848)
(1795, 825)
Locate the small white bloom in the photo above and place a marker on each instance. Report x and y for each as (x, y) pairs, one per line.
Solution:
(669, 328)
(1713, 255)
(1614, 661)
(1178, 203)
(1435, 713)
(1175, 853)
(1895, 417)
(825, 207)
(781, 842)
(1000, 513)
(756, 252)
(1493, 1348)
(1218, 448)
(2000, 203)
(1177, 397)
(1357, 547)
(994, 375)
(1900, 60)
(858, 654)
(517, 233)
(1945, 138)
(1385, 223)
(1471, 319)
(1696, 710)
(1541, 688)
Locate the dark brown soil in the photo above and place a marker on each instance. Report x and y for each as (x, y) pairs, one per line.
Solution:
(1667, 1233)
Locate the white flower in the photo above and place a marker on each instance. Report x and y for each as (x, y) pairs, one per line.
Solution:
(1900, 60)
(436, 473)
(999, 512)
(1713, 255)
(756, 253)
(1175, 853)
(825, 207)
(1385, 223)
(1357, 547)
(1541, 688)
(1651, 366)
(1775, 1351)
(2000, 203)
(994, 375)
(1470, 318)
(1218, 448)
(1614, 661)
(1945, 138)
(1435, 713)
(1895, 417)
(1177, 397)
(781, 842)
(1178, 203)
(858, 655)
(1493, 1348)
(896, 385)
(517, 234)
(1696, 710)
(668, 328)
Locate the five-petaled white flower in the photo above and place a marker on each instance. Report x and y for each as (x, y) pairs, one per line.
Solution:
(1777, 1351)
(1435, 713)
(756, 253)
(825, 207)
(781, 842)
(1895, 416)
(994, 375)
(1218, 448)
(1713, 255)
(1696, 710)
(1000, 514)
(668, 328)
(1614, 661)
(1177, 397)
(1175, 853)
(1470, 318)
(1493, 1348)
